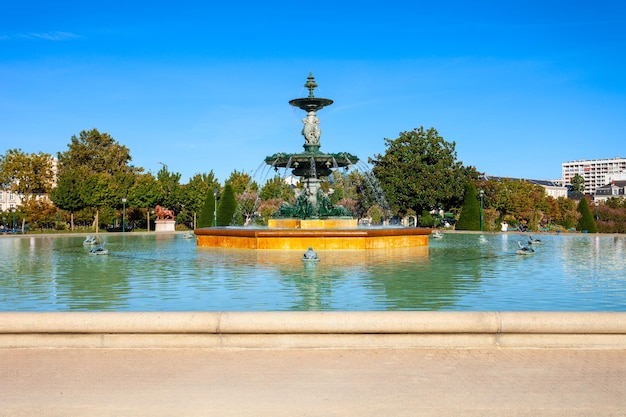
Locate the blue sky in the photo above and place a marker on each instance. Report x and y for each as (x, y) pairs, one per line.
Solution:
(519, 86)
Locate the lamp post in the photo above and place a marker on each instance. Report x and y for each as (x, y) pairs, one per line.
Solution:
(164, 165)
(13, 221)
(481, 194)
(123, 214)
(597, 204)
(215, 207)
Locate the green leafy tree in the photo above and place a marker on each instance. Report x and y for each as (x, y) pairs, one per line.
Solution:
(207, 214)
(419, 171)
(344, 185)
(95, 152)
(171, 189)
(194, 195)
(470, 212)
(578, 184)
(569, 215)
(586, 221)
(66, 195)
(145, 193)
(276, 187)
(227, 206)
(29, 175)
(100, 162)
(97, 193)
(241, 182)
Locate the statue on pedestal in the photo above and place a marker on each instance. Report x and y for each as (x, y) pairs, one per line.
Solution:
(163, 213)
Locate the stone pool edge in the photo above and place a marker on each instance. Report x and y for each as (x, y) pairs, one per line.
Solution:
(314, 330)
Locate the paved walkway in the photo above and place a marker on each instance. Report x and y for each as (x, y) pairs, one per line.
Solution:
(391, 382)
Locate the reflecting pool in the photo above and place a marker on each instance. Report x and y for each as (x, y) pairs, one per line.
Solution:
(460, 272)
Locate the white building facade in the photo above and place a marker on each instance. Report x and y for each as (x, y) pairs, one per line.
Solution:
(596, 172)
(9, 200)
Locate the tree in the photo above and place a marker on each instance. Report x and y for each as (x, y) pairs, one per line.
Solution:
(145, 194)
(276, 187)
(470, 213)
(95, 152)
(66, 195)
(247, 203)
(171, 192)
(578, 184)
(99, 162)
(194, 194)
(419, 171)
(227, 206)
(241, 182)
(344, 185)
(586, 221)
(29, 175)
(267, 208)
(207, 214)
(96, 192)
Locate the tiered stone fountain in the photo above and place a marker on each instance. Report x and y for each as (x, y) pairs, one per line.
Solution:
(312, 221)
(312, 208)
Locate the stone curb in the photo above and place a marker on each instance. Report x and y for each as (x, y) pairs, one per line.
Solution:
(323, 330)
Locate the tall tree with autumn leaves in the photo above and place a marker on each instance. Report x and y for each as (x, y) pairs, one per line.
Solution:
(28, 175)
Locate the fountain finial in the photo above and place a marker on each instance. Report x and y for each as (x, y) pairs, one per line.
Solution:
(310, 84)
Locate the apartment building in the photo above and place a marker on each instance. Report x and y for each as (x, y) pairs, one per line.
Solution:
(596, 172)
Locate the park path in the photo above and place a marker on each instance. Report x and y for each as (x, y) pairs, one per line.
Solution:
(312, 382)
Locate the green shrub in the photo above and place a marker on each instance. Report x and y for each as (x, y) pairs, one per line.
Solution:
(227, 206)
(206, 219)
(426, 219)
(470, 212)
(586, 221)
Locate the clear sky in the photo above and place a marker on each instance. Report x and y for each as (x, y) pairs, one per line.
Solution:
(520, 87)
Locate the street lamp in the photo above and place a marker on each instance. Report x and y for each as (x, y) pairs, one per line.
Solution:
(123, 214)
(597, 204)
(164, 165)
(481, 194)
(215, 207)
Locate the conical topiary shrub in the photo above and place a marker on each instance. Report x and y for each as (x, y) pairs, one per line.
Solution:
(206, 219)
(586, 221)
(470, 212)
(227, 206)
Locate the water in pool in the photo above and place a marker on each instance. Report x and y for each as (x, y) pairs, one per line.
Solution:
(460, 272)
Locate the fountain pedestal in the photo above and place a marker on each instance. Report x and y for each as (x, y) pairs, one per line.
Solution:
(165, 226)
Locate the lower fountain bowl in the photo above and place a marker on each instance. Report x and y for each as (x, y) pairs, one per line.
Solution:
(319, 239)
